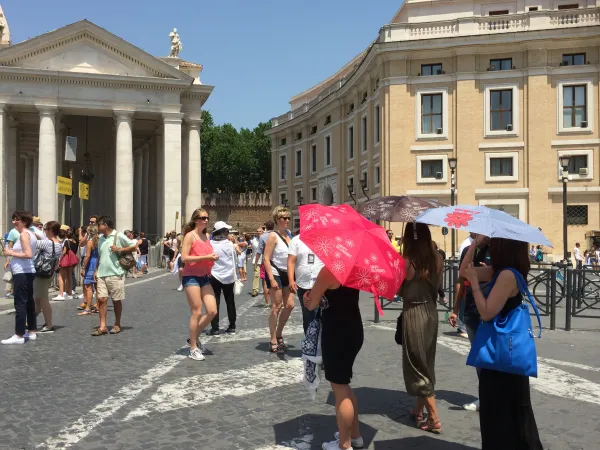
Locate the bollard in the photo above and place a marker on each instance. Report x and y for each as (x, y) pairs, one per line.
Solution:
(376, 316)
(568, 293)
(553, 272)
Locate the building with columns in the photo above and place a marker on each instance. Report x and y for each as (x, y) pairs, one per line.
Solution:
(505, 88)
(136, 119)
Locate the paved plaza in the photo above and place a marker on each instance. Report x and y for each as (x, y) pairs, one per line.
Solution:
(138, 390)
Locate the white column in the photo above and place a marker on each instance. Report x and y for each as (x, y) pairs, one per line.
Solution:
(12, 168)
(3, 162)
(124, 172)
(145, 174)
(28, 183)
(47, 197)
(171, 167)
(158, 182)
(184, 168)
(60, 156)
(137, 177)
(35, 207)
(194, 192)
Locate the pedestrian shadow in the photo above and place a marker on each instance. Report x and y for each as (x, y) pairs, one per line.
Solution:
(311, 430)
(455, 398)
(291, 353)
(420, 442)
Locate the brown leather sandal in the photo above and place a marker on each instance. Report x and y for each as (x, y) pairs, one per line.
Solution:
(432, 427)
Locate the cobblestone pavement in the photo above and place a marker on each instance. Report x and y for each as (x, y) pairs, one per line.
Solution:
(138, 390)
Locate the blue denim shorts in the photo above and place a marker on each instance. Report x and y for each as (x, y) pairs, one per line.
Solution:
(195, 281)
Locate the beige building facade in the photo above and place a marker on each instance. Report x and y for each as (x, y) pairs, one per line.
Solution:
(504, 87)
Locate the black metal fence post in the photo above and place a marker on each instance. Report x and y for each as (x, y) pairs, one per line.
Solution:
(553, 272)
(376, 317)
(569, 295)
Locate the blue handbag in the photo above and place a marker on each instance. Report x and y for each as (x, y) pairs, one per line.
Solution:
(506, 344)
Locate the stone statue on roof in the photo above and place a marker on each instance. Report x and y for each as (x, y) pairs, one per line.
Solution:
(176, 45)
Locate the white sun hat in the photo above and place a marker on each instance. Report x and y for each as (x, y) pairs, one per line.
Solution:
(220, 225)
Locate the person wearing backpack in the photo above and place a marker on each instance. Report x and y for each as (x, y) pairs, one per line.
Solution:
(48, 254)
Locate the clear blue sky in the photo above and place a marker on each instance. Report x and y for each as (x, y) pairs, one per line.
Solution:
(257, 53)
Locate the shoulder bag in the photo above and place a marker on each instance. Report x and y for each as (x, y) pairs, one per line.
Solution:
(506, 344)
(45, 265)
(69, 259)
(126, 260)
(237, 284)
(282, 272)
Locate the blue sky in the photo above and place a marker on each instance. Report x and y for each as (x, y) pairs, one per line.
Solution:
(257, 53)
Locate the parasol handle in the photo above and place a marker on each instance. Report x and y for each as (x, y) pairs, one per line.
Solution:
(376, 300)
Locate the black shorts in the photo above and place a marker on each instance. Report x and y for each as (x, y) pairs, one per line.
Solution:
(282, 281)
(171, 254)
(341, 340)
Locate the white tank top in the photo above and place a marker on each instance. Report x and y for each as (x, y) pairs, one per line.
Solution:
(279, 256)
(24, 265)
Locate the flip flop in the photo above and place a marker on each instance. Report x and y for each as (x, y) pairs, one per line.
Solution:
(115, 330)
(85, 312)
(81, 307)
(99, 332)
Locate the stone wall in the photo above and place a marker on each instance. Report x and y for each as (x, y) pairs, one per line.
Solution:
(245, 212)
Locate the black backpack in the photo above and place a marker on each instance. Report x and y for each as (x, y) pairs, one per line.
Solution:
(45, 265)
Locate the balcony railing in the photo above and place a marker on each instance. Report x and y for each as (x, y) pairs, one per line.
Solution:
(465, 26)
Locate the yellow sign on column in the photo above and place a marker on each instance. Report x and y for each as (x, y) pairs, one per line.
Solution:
(64, 186)
(84, 191)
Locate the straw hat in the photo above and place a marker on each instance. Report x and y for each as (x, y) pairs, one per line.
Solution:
(37, 221)
(64, 227)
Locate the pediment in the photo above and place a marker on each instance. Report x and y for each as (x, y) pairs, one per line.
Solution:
(86, 48)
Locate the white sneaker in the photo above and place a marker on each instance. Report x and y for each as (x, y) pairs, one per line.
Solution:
(14, 339)
(198, 345)
(472, 406)
(332, 445)
(180, 288)
(355, 443)
(68, 297)
(30, 337)
(74, 294)
(196, 355)
(59, 297)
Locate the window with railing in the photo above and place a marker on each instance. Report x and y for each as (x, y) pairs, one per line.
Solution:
(431, 113)
(575, 106)
(501, 109)
(431, 69)
(500, 64)
(577, 215)
(573, 59)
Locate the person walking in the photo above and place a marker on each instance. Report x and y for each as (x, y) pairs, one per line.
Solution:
(269, 226)
(577, 256)
(303, 267)
(88, 269)
(11, 238)
(48, 249)
(110, 275)
(23, 270)
(223, 276)
(67, 264)
(256, 262)
(275, 260)
(241, 264)
(424, 270)
(506, 415)
(143, 252)
(198, 255)
(342, 338)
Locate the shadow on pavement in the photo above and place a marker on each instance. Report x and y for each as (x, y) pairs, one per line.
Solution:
(311, 430)
(455, 398)
(420, 442)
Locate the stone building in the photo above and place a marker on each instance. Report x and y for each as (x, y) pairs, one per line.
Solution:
(504, 87)
(136, 119)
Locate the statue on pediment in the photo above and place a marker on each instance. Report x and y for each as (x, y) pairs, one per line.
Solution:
(176, 45)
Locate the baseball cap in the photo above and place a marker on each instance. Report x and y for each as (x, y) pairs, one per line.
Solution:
(220, 225)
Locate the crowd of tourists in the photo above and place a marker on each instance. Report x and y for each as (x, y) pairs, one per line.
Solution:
(211, 262)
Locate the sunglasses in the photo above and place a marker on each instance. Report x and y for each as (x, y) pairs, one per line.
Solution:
(92, 222)
(285, 218)
(203, 218)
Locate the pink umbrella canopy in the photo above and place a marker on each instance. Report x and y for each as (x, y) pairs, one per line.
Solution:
(356, 251)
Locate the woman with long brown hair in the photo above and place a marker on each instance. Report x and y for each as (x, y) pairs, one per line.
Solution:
(88, 268)
(50, 248)
(198, 255)
(424, 269)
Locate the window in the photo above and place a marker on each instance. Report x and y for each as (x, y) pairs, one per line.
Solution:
(500, 12)
(577, 162)
(313, 194)
(282, 167)
(298, 136)
(431, 113)
(282, 141)
(350, 108)
(431, 69)
(363, 134)
(532, 8)
(351, 181)
(377, 175)
(570, 6)
(501, 109)
(574, 106)
(313, 158)
(327, 120)
(296, 223)
(501, 167)
(364, 97)
(577, 214)
(501, 64)
(313, 130)
(376, 127)
(364, 176)
(299, 198)
(350, 142)
(298, 163)
(432, 169)
(327, 151)
(573, 59)
(282, 198)
(581, 164)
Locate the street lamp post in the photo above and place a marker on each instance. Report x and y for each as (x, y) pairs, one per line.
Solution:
(364, 186)
(564, 163)
(452, 164)
(351, 192)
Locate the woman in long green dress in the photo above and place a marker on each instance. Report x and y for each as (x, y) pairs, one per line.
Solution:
(424, 269)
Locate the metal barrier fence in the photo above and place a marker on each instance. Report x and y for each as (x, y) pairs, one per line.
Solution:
(549, 285)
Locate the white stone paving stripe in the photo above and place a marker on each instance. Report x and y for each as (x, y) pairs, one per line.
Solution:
(77, 431)
(204, 389)
(557, 362)
(550, 380)
(301, 443)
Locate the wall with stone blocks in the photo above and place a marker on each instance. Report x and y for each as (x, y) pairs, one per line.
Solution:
(245, 212)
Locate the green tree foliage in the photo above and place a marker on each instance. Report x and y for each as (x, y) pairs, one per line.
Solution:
(235, 161)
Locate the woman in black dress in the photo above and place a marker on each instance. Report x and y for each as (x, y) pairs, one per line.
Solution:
(506, 416)
(341, 340)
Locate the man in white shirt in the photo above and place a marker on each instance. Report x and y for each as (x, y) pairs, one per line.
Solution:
(305, 265)
(577, 256)
(255, 247)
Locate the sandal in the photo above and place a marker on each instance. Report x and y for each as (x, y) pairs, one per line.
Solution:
(281, 343)
(94, 309)
(432, 427)
(417, 417)
(85, 312)
(99, 332)
(115, 329)
(82, 306)
(275, 348)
